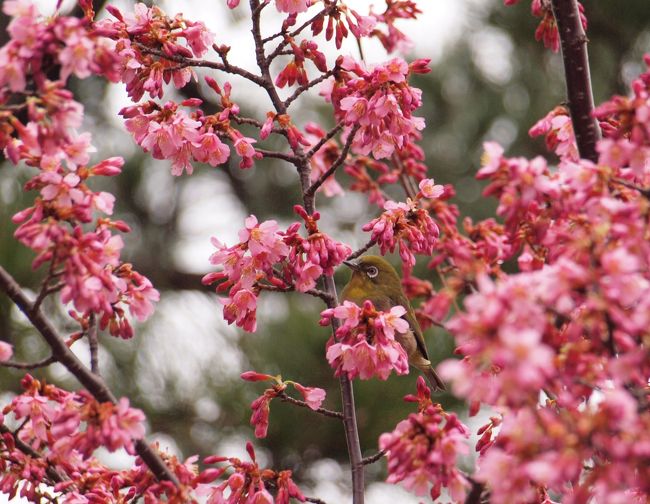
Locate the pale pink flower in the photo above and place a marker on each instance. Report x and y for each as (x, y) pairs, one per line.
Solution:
(6, 351)
(313, 396)
(430, 190)
(292, 6)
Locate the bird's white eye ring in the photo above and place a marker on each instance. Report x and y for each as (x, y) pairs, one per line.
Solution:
(372, 272)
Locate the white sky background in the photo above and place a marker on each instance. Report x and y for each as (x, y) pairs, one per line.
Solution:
(211, 211)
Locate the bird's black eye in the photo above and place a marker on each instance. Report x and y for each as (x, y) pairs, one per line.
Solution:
(372, 271)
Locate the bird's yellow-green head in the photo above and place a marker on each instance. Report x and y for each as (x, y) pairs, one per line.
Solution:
(372, 277)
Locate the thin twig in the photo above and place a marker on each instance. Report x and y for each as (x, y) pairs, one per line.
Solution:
(325, 412)
(194, 62)
(374, 458)
(311, 190)
(315, 500)
(29, 365)
(300, 90)
(93, 344)
(362, 250)
(290, 158)
(328, 136)
(312, 292)
(642, 190)
(578, 78)
(288, 37)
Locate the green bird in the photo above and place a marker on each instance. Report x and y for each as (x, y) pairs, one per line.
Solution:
(374, 279)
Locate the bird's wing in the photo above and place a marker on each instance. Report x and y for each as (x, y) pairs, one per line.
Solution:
(413, 322)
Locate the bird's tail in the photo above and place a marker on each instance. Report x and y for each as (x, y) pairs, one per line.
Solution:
(432, 377)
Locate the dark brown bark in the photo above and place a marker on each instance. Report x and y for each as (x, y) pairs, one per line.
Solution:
(578, 78)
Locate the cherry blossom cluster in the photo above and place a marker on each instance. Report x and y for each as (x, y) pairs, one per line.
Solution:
(625, 123)
(407, 225)
(36, 42)
(82, 250)
(168, 132)
(70, 425)
(313, 398)
(405, 162)
(267, 258)
(50, 456)
(146, 44)
(547, 31)
(570, 324)
(249, 483)
(379, 102)
(364, 345)
(546, 449)
(422, 451)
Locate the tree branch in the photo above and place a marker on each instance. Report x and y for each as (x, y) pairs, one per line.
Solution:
(311, 190)
(374, 458)
(301, 89)
(29, 365)
(193, 62)
(578, 79)
(330, 134)
(325, 412)
(93, 383)
(51, 471)
(362, 250)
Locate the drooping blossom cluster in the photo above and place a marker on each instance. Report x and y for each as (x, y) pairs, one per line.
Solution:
(547, 30)
(36, 42)
(557, 128)
(423, 449)
(378, 102)
(625, 124)
(313, 398)
(570, 324)
(249, 483)
(267, 258)
(61, 227)
(364, 344)
(50, 456)
(69, 425)
(146, 44)
(168, 132)
(407, 225)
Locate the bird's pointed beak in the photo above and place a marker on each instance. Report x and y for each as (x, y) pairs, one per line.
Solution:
(352, 265)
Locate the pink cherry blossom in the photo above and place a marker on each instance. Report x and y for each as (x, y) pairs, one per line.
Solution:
(313, 396)
(364, 345)
(292, 6)
(6, 351)
(422, 451)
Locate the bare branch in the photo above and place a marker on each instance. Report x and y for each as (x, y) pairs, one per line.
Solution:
(93, 344)
(329, 135)
(290, 158)
(29, 365)
(578, 78)
(325, 412)
(362, 250)
(374, 458)
(300, 90)
(311, 190)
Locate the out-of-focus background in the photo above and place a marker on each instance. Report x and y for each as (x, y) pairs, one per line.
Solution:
(490, 81)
